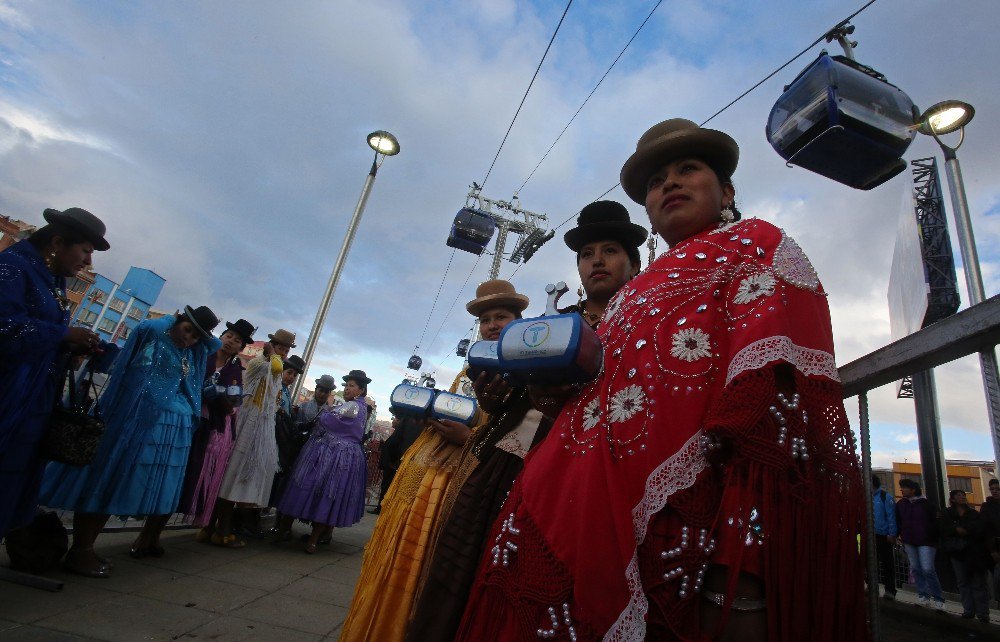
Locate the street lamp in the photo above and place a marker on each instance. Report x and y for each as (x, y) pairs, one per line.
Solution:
(384, 144)
(941, 119)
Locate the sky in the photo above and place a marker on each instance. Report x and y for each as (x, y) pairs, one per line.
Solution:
(223, 144)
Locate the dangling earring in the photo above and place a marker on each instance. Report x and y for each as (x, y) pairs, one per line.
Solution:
(579, 294)
(50, 260)
(728, 216)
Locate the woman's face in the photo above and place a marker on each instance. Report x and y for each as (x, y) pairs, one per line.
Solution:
(70, 259)
(184, 334)
(604, 268)
(351, 390)
(280, 349)
(288, 376)
(684, 197)
(231, 342)
(906, 491)
(492, 321)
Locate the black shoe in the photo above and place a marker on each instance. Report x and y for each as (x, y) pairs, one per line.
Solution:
(323, 541)
(375, 511)
(985, 619)
(968, 616)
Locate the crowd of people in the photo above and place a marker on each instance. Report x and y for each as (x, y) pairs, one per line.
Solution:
(672, 497)
(186, 428)
(969, 539)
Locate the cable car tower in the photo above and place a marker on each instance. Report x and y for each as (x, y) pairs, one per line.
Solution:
(482, 218)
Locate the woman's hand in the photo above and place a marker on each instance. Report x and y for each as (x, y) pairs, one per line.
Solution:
(452, 431)
(491, 393)
(549, 400)
(80, 340)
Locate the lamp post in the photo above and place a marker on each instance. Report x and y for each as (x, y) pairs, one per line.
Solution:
(944, 118)
(384, 144)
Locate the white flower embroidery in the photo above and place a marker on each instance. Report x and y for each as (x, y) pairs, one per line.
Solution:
(691, 344)
(592, 414)
(754, 286)
(626, 403)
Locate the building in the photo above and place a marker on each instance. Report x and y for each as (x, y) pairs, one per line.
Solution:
(12, 231)
(971, 476)
(114, 310)
(77, 287)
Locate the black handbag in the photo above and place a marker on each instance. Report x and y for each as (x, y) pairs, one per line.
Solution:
(72, 435)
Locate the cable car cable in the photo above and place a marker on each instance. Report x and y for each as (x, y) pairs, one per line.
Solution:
(454, 301)
(440, 285)
(793, 59)
(592, 91)
(525, 97)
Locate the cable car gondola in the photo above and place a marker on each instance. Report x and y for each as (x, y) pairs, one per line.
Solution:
(463, 348)
(843, 120)
(414, 363)
(471, 231)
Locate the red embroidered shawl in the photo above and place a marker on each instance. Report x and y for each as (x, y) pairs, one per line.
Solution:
(683, 453)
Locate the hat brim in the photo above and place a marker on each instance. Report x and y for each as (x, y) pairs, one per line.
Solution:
(55, 216)
(246, 337)
(291, 365)
(716, 148)
(627, 233)
(504, 300)
(364, 380)
(271, 337)
(189, 313)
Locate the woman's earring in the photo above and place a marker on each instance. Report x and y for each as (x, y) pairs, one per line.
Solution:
(728, 216)
(579, 293)
(50, 260)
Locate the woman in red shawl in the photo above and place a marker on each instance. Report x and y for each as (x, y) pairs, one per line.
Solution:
(705, 486)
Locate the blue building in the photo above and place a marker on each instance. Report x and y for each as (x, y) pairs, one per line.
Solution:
(114, 310)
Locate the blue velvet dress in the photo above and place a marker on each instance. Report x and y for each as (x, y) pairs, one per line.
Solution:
(150, 408)
(32, 325)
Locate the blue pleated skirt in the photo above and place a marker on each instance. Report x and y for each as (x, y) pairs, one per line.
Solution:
(138, 470)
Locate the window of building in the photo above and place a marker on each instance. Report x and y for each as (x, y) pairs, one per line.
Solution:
(960, 483)
(106, 324)
(117, 305)
(135, 313)
(123, 332)
(76, 285)
(87, 317)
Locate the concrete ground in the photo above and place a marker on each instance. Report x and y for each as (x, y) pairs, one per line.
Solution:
(196, 591)
(277, 592)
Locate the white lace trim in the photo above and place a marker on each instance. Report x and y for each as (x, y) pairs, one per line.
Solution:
(678, 472)
(793, 266)
(758, 354)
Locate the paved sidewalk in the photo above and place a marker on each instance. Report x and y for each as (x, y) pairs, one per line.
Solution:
(196, 591)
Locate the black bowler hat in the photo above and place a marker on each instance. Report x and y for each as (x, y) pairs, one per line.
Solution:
(605, 221)
(202, 318)
(80, 221)
(296, 363)
(358, 376)
(243, 328)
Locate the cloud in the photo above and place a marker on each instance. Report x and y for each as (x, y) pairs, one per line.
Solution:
(223, 144)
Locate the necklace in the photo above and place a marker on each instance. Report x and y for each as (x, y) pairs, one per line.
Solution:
(185, 368)
(60, 296)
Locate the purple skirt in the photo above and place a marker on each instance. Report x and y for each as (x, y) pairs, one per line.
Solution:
(327, 484)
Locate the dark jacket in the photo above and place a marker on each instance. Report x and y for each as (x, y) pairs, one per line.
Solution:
(990, 510)
(970, 547)
(916, 522)
(398, 442)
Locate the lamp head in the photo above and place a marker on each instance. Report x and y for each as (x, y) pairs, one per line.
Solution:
(383, 142)
(945, 117)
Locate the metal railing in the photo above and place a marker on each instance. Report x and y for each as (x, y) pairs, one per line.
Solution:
(973, 330)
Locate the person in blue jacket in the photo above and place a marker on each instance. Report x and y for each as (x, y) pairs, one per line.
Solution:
(36, 344)
(886, 531)
(150, 407)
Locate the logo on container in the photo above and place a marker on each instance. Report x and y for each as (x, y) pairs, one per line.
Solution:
(535, 334)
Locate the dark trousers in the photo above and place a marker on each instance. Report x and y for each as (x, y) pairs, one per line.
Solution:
(886, 563)
(972, 588)
(387, 475)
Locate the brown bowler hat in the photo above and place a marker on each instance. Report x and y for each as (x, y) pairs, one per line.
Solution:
(673, 139)
(496, 293)
(284, 337)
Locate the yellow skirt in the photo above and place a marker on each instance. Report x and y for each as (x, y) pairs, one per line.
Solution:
(404, 534)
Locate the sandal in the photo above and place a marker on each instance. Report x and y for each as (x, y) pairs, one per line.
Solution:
(310, 548)
(71, 564)
(228, 541)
